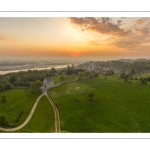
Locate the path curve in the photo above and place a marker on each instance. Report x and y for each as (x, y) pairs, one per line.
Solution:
(57, 120)
(28, 118)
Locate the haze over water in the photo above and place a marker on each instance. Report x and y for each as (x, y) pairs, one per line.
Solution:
(71, 40)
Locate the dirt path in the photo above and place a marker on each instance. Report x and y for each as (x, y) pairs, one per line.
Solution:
(28, 118)
(57, 120)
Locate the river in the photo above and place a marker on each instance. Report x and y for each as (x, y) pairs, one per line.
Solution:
(34, 68)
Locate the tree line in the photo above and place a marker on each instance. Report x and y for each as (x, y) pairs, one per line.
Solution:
(117, 64)
(26, 78)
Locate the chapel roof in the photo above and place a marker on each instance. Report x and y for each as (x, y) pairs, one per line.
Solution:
(48, 79)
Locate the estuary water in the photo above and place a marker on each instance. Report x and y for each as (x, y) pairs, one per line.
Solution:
(8, 67)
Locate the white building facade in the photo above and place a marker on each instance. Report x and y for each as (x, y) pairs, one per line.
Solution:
(48, 83)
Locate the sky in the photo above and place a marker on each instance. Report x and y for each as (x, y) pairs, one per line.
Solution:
(77, 38)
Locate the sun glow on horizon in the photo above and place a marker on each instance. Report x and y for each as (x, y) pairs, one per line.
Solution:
(75, 37)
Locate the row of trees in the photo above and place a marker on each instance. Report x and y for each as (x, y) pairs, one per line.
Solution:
(109, 72)
(5, 86)
(136, 65)
(25, 78)
(128, 77)
(35, 86)
(80, 75)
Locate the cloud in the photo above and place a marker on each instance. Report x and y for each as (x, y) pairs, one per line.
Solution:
(134, 43)
(101, 25)
(140, 21)
(94, 42)
(119, 22)
(4, 37)
(130, 45)
(136, 37)
(142, 31)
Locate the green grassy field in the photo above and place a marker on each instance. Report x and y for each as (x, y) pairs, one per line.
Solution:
(116, 107)
(16, 101)
(57, 78)
(143, 75)
(42, 119)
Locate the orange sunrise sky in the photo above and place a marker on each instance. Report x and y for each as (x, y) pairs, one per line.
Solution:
(80, 38)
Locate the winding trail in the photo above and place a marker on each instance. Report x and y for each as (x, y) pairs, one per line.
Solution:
(28, 118)
(57, 120)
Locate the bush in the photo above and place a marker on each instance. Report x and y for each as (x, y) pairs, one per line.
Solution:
(19, 115)
(90, 95)
(3, 99)
(3, 120)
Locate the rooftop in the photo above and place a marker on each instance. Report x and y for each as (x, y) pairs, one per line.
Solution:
(49, 79)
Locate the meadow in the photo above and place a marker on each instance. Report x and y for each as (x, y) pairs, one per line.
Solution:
(17, 100)
(116, 107)
(42, 120)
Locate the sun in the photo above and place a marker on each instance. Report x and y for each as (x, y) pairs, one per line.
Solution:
(74, 54)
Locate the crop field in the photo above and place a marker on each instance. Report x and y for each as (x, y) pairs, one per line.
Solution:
(117, 106)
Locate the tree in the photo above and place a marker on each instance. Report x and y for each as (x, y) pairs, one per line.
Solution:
(141, 79)
(95, 75)
(122, 75)
(3, 98)
(132, 71)
(35, 86)
(3, 120)
(18, 81)
(68, 67)
(73, 76)
(7, 86)
(53, 71)
(87, 73)
(80, 75)
(12, 79)
(91, 94)
(1, 87)
(72, 66)
(62, 78)
(144, 81)
(109, 72)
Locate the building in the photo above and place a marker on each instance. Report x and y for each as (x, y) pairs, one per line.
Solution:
(48, 83)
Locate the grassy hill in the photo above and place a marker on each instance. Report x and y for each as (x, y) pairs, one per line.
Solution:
(17, 100)
(43, 118)
(116, 107)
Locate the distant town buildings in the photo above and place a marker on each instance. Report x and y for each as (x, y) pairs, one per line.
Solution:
(90, 66)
